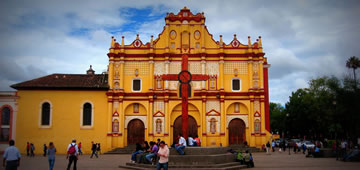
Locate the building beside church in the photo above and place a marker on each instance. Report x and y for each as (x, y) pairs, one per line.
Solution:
(8, 110)
(133, 102)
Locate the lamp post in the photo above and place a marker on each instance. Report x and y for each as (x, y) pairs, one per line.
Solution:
(287, 118)
(334, 103)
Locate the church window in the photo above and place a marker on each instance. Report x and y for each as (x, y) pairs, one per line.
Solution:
(236, 84)
(136, 107)
(5, 124)
(237, 108)
(257, 126)
(45, 114)
(115, 127)
(158, 126)
(213, 125)
(87, 114)
(136, 85)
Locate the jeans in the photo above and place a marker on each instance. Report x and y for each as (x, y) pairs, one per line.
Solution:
(12, 165)
(94, 153)
(149, 156)
(51, 164)
(72, 158)
(133, 155)
(180, 149)
(162, 165)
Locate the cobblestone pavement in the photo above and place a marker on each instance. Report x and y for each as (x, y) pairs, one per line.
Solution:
(262, 161)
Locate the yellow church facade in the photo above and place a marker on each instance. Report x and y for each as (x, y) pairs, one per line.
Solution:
(132, 102)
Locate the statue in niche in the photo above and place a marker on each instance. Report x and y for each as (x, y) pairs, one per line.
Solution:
(213, 125)
(115, 127)
(116, 74)
(257, 126)
(158, 126)
(136, 107)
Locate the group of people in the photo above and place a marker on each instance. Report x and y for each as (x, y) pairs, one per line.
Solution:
(30, 148)
(245, 158)
(180, 146)
(149, 154)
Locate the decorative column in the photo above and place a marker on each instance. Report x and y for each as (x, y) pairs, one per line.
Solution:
(150, 120)
(203, 122)
(122, 62)
(251, 123)
(151, 73)
(121, 122)
(167, 119)
(111, 73)
(223, 121)
(203, 72)
(167, 63)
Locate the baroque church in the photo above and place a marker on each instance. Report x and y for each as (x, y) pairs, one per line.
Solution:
(183, 81)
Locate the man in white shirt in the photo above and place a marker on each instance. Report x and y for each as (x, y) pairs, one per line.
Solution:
(182, 144)
(191, 141)
(11, 156)
(72, 153)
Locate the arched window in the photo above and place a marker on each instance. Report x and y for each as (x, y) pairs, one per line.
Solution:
(158, 126)
(213, 125)
(257, 126)
(115, 127)
(45, 114)
(87, 114)
(5, 124)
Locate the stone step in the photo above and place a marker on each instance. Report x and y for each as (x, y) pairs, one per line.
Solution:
(223, 166)
(201, 159)
(201, 150)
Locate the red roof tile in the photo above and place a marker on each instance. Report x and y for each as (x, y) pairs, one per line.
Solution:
(66, 81)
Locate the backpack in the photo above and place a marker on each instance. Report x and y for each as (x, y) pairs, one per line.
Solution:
(72, 150)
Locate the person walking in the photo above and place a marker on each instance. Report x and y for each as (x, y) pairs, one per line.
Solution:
(32, 149)
(79, 146)
(51, 155)
(11, 157)
(181, 145)
(273, 146)
(72, 154)
(93, 149)
(45, 149)
(267, 147)
(163, 153)
(28, 149)
(98, 148)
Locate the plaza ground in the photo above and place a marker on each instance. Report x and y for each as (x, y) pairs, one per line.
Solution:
(262, 161)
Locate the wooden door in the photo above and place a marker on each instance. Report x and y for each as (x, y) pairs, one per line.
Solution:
(135, 132)
(236, 132)
(192, 127)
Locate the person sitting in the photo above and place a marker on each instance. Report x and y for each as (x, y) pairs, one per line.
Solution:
(240, 157)
(247, 158)
(191, 141)
(198, 141)
(181, 145)
(153, 152)
(138, 150)
(316, 152)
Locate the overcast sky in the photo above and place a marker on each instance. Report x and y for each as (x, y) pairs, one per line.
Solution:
(302, 39)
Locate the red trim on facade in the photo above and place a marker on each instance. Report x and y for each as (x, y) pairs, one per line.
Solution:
(114, 134)
(267, 107)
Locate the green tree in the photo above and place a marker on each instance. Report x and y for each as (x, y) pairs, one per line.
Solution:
(277, 115)
(353, 63)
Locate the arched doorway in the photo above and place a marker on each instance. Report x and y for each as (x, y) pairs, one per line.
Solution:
(192, 127)
(135, 132)
(236, 132)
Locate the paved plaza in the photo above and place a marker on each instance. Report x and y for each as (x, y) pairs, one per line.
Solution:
(262, 161)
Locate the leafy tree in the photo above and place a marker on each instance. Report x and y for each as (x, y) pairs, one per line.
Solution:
(353, 63)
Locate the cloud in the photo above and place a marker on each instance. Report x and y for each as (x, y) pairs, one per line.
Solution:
(301, 39)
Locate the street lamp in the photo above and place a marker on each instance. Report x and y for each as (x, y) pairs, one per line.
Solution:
(287, 117)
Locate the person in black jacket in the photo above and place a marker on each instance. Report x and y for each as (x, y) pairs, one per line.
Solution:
(93, 149)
